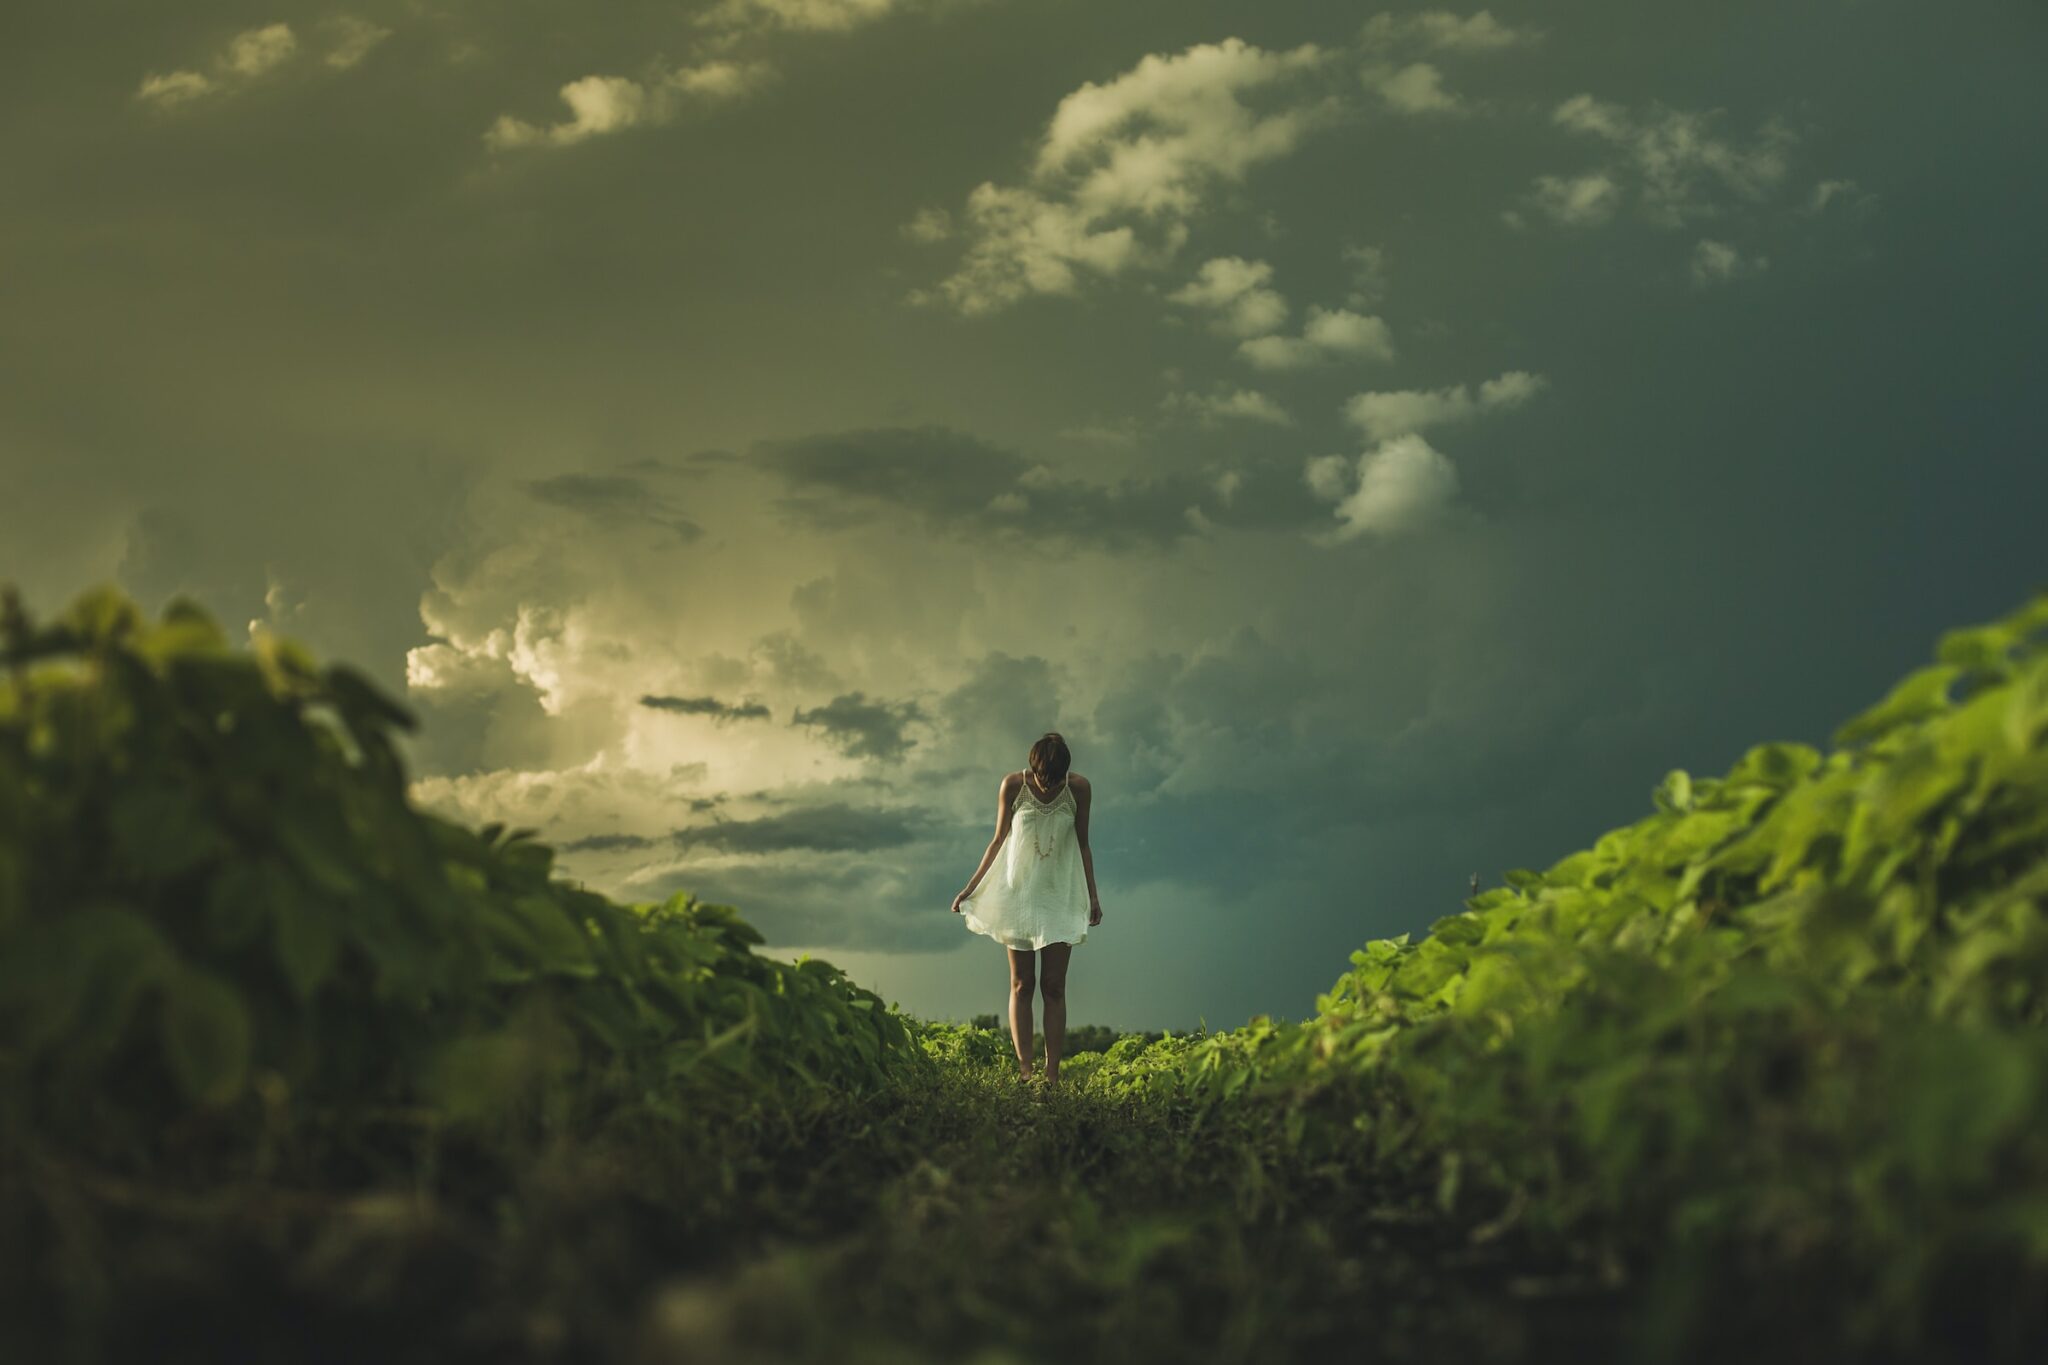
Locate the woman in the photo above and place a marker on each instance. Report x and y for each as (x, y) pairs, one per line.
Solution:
(1037, 900)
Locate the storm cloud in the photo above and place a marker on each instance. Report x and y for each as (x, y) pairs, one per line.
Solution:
(1383, 444)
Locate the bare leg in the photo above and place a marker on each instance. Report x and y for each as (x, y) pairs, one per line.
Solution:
(1023, 977)
(1052, 987)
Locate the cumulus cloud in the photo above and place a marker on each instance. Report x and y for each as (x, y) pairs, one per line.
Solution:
(1386, 413)
(830, 16)
(1329, 333)
(1442, 31)
(257, 50)
(173, 87)
(610, 104)
(1714, 262)
(1403, 483)
(1124, 166)
(1235, 290)
(601, 790)
(1578, 201)
(248, 55)
(351, 39)
(255, 53)
(1400, 486)
(1224, 404)
(1417, 88)
(1368, 265)
(1677, 167)
(929, 225)
(1847, 192)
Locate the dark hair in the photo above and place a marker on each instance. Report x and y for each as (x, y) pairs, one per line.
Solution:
(1049, 758)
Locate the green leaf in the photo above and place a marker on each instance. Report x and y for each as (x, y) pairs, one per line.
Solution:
(159, 831)
(1921, 694)
(237, 903)
(307, 941)
(1774, 765)
(206, 1036)
(77, 978)
(102, 613)
(1674, 794)
(1984, 648)
(365, 705)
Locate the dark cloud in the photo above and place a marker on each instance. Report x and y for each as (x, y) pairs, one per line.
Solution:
(607, 843)
(613, 500)
(897, 904)
(834, 828)
(860, 728)
(698, 465)
(1006, 703)
(960, 485)
(790, 664)
(707, 706)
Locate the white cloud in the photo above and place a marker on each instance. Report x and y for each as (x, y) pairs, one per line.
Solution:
(257, 50)
(255, 53)
(1328, 476)
(1368, 273)
(1249, 404)
(1585, 114)
(251, 53)
(801, 15)
(1143, 150)
(720, 80)
(929, 225)
(1826, 192)
(1442, 31)
(1236, 289)
(1123, 431)
(1669, 156)
(1400, 486)
(1416, 88)
(1715, 261)
(173, 87)
(353, 39)
(610, 104)
(1330, 333)
(1383, 414)
(1582, 200)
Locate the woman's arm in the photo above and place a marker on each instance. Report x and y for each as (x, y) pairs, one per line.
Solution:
(1004, 795)
(1084, 801)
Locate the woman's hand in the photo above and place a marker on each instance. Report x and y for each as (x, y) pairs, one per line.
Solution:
(1094, 913)
(961, 897)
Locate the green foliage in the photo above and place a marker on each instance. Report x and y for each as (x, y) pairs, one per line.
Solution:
(1784, 1032)
(228, 941)
(1764, 1073)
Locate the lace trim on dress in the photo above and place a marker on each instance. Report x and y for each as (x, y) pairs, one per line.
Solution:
(1039, 845)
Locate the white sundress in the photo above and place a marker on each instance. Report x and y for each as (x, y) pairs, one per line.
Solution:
(1036, 891)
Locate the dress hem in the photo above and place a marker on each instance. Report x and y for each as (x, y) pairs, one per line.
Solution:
(1016, 941)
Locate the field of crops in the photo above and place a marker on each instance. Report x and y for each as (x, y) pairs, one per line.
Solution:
(291, 1070)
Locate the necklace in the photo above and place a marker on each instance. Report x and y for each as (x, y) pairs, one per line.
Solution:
(1038, 845)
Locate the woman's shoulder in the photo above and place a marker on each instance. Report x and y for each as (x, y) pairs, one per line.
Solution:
(1080, 783)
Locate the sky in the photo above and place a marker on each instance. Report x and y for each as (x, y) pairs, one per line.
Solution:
(1383, 440)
